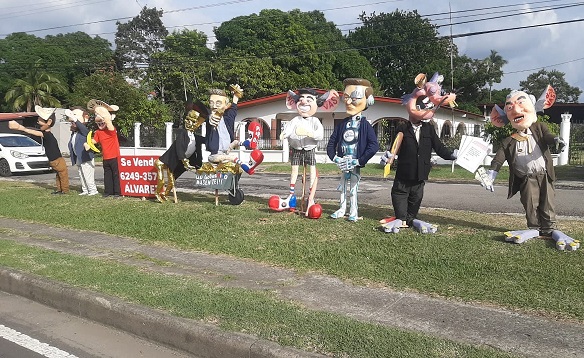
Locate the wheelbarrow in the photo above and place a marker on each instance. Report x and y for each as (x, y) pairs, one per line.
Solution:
(222, 176)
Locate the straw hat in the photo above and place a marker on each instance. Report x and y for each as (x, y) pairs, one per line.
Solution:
(44, 113)
(94, 103)
(75, 115)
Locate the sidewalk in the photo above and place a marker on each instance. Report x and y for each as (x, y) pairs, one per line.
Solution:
(506, 330)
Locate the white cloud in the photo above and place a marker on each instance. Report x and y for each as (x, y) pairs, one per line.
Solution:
(553, 47)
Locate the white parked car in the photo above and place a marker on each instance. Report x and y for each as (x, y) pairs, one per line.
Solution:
(19, 153)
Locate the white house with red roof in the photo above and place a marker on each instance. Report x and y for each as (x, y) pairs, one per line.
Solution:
(272, 113)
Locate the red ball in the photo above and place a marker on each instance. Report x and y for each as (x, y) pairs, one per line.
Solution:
(274, 203)
(315, 211)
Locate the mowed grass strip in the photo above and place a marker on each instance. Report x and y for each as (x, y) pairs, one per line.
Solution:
(466, 259)
(256, 313)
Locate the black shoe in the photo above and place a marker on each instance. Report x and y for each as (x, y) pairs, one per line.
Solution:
(545, 234)
(57, 193)
(105, 195)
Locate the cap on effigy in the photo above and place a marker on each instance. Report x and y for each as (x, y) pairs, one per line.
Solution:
(76, 114)
(94, 103)
(103, 112)
(44, 113)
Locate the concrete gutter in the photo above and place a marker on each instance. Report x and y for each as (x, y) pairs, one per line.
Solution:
(191, 336)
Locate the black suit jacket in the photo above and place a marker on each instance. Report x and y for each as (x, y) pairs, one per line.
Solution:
(176, 153)
(413, 163)
(508, 151)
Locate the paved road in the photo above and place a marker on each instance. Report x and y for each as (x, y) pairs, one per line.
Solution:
(376, 191)
(30, 327)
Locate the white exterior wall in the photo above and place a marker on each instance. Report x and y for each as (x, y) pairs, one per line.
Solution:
(276, 109)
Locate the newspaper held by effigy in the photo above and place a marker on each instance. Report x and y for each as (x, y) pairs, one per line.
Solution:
(472, 153)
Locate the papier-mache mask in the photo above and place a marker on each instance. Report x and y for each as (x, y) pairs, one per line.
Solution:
(307, 101)
(521, 108)
(427, 97)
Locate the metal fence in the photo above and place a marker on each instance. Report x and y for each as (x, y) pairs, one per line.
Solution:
(385, 131)
(576, 154)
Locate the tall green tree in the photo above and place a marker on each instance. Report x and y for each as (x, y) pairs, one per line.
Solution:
(36, 88)
(536, 83)
(77, 55)
(114, 89)
(65, 57)
(286, 50)
(181, 70)
(400, 45)
(137, 40)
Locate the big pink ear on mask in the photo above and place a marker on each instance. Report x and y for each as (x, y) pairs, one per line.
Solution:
(330, 101)
(498, 117)
(546, 100)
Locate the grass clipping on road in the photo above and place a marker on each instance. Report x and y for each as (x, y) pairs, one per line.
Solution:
(466, 259)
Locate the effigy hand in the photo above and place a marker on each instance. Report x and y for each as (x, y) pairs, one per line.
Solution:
(560, 144)
(236, 90)
(214, 120)
(386, 158)
(301, 131)
(486, 178)
(348, 164)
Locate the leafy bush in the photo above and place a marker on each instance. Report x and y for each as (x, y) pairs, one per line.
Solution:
(496, 135)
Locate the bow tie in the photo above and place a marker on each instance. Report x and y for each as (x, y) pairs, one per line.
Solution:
(519, 137)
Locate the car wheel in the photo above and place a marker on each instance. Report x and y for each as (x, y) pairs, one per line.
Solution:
(4, 168)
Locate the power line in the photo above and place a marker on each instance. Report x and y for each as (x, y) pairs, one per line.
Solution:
(398, 44)
(542, 67)
(514, 28)
(43, 9)
(131, 17)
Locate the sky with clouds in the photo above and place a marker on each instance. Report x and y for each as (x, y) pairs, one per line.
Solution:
(557, 45)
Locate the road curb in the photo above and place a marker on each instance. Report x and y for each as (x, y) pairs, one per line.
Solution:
(190, 336)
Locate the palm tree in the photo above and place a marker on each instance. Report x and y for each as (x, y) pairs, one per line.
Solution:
(494, 64)
(37, 88)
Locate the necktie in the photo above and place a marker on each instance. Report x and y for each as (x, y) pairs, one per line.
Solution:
(417, 133)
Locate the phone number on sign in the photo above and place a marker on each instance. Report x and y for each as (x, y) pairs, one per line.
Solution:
(147, 176)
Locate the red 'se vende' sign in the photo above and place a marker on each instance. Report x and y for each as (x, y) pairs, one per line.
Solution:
(138, 176)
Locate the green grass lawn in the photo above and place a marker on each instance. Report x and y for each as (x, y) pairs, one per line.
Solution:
(465, 260)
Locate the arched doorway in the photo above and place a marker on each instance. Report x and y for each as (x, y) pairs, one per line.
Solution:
(446, 132)
(264, 142)
(385, 129)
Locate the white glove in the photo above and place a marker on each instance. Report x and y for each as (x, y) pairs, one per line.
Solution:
(339, 162)
(214, 120)
(454, 155)
(347, 164)
(560, 143)
(486, 178)
(385, 158)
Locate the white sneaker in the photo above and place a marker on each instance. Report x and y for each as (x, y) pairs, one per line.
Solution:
(91, 194)
(83, 193)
